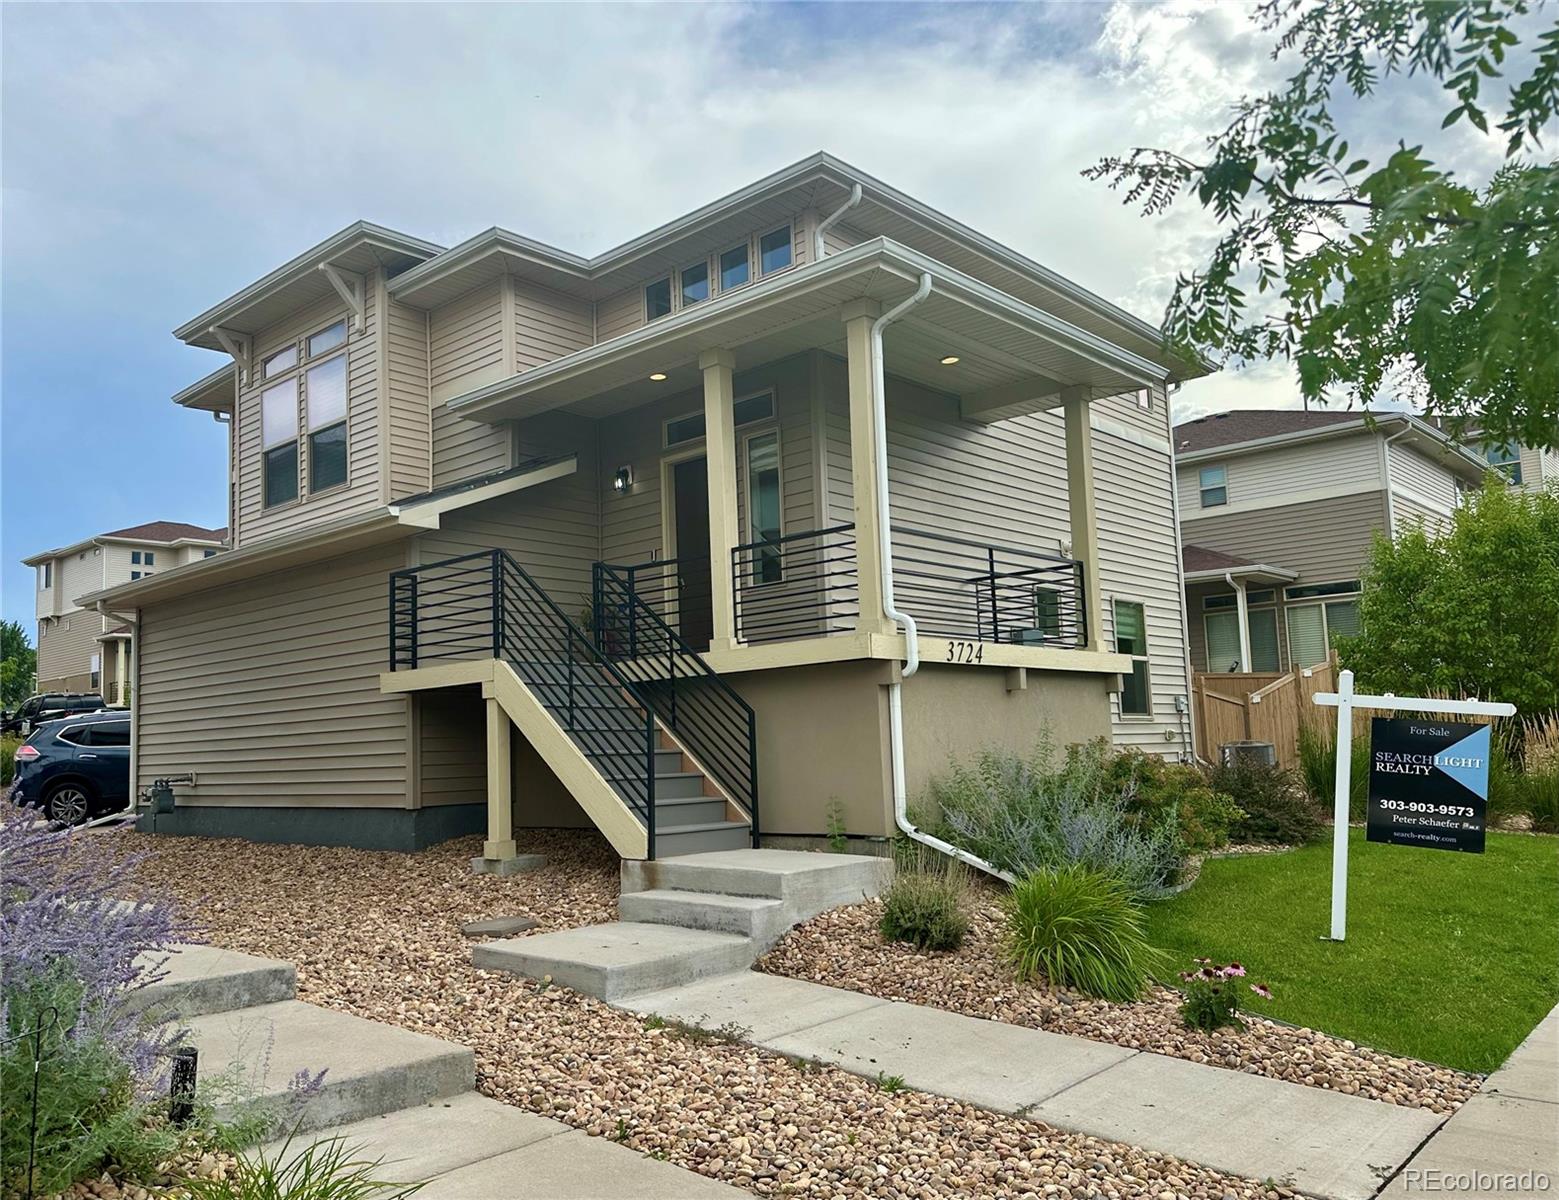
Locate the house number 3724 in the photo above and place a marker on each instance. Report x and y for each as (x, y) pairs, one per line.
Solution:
(965, 652)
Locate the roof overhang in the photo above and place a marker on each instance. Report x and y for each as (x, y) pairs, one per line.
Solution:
(1403, 427)
(1245, 572)
(215, 393)
(819, 182)
(329, 540)
(357, 249)
(1012, 357)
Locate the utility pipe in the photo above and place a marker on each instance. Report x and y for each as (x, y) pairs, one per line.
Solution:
(829, 221)
(889, 607)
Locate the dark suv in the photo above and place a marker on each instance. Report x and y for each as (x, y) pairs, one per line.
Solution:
(76, 768)
(46, 706)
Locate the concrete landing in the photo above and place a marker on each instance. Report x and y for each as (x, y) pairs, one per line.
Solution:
(370, 1068)
(208, 979)
(615, 960)
(1323, 1143)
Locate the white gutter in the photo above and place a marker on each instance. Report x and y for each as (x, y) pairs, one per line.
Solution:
(890, 608)
(829, 221)
(129, 810)
(1243, 617)
(1385, 474)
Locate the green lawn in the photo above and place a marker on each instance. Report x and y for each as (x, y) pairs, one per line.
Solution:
(1451, 958)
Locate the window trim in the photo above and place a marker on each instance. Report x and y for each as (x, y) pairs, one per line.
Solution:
(763, 427)
(1321, 591)
(1145, 658)
(1203, 487)
(46, 574)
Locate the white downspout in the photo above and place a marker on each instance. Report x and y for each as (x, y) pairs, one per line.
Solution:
(1243, 617)
(829, 222)
(889, 607)
(1385, 473)
(129, 810)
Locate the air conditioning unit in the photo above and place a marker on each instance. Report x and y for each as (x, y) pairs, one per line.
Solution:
(1263, 754)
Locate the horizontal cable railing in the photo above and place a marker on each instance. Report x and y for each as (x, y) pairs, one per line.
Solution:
(958, 588)
(801, 585)
(487, 605)
(713, 724)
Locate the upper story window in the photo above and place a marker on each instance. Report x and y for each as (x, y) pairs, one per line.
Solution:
(695, 283)
(327, 339)
(282, 360)
(1214, 482)
(774, 251)
(147, 557)
(208, 554)
(309, 395)
(1145, 399)
(735, 267)
(1504, 457)
(325, 390)
(279, 442)
(657, 299)
(46, 576)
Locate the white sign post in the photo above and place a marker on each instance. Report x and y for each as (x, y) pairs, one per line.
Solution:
(1345, 701)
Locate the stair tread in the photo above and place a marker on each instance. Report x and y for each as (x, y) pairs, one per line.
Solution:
(707, 826)
(711, 899)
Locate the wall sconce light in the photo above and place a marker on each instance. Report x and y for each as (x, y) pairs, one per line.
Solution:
(623, 480)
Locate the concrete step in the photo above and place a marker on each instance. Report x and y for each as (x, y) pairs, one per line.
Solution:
(809, 883)
(755, 917)
(208, 979)
(369, 1068)
(702, 837)
(611, 961)
(691, 810)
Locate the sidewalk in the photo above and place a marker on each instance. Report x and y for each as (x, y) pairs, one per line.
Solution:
(1323, 1143)
(1510, 1128)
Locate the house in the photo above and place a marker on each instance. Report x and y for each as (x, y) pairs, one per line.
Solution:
(1529, 468)
(81, 650)
(1277, 513)
(525, 538)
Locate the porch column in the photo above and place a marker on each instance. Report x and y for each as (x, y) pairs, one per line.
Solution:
(719, 368)
(1081, 508)
(1244, 620)
(120, 669)
(858, 316)
(500, 786)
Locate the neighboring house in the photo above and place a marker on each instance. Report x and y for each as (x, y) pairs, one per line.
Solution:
(523, 537)
(1277, 512)
(79, 649)
(1526, 467)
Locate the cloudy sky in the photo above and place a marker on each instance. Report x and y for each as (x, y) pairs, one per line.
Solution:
(158, 157)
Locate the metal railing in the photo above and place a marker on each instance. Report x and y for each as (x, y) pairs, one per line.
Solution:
(798, 586)
(659, 584)
(958, 588)
(486, 604)
(713, 725)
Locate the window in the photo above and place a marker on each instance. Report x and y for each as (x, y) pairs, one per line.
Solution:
(1314, 628)
(735, 267)
(208, 554)
(744, 412)
(95, 671)
(1305, 591)
(763, 504)
(1047, 614)
(134, 575)
(1504, 457)
(326, 393)
(774, 251)
(1131, 637)
(1223, 640)
(657, 299)
(135, 558)
(1145, 399)
(695, 283)
(282, 360)
(327, 339)
(151, 558)
(1215, 486)
(279, 442)
(46, 575)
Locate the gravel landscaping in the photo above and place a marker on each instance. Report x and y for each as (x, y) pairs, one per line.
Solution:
(378, 935)
(844, 949)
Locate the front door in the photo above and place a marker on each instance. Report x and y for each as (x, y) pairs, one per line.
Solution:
(690, 522)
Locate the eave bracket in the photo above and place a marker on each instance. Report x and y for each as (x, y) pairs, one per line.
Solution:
(350, 289)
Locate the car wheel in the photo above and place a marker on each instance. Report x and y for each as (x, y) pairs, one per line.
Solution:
(68, 804)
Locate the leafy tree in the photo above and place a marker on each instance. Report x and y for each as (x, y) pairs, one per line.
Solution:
(18, 664)
(1394, 273)
(1471, 611)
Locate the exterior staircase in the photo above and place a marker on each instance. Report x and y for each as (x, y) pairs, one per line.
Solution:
(689, 917)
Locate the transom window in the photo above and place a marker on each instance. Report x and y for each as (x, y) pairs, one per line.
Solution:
(744, 412)
(1131, 637)
(327, 339)
(282, 360)
(311, 399)
(1214, 482)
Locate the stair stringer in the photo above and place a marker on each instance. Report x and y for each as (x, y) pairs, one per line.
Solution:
(616, 821)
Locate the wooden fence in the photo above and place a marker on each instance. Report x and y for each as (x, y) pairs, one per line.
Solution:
(1257, 706)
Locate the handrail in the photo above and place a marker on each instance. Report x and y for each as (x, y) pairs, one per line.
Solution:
(716, 727)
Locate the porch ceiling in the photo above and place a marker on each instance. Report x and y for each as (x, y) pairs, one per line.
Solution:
(1011, 357)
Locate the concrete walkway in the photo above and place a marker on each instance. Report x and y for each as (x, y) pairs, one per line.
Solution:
(1323, 1143)
(1510, 1129)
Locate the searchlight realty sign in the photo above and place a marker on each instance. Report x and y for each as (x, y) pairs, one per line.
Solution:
(1429, 783)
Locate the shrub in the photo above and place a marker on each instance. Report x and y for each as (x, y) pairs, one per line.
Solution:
(1275, 806)
(1212, 995)
(924, 907)
(1318, 766)
(8, 748)
(325, 1170)
(1080, 929)
(1027, 814)
(1537, 785)
(1158, 791)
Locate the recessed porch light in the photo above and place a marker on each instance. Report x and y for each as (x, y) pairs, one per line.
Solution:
(949, 359)
(658, 377)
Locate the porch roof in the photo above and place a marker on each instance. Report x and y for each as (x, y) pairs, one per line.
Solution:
(1010, 356)
(1202, 564)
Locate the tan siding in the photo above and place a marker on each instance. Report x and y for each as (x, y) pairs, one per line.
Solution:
(411, 449)
(452, 746)
(1324, 540)
(548, 325)
(1410, 513)
(65, 654)
(1349, 463)
(466, 350)
(620, 312)
(362, 490)
(1433, 487)
(269, 690)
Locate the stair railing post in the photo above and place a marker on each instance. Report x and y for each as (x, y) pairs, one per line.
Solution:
(416, 618)
(569, 667)
(752, 770)
(649, 781)
(990, 557)
(497, 585)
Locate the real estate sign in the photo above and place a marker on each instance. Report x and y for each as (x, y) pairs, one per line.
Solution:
(1429, 783)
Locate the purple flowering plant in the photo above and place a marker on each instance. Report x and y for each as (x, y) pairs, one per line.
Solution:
(1213, 993)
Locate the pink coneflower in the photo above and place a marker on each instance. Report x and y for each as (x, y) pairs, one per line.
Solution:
(1233, 971)
(1262, 990)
